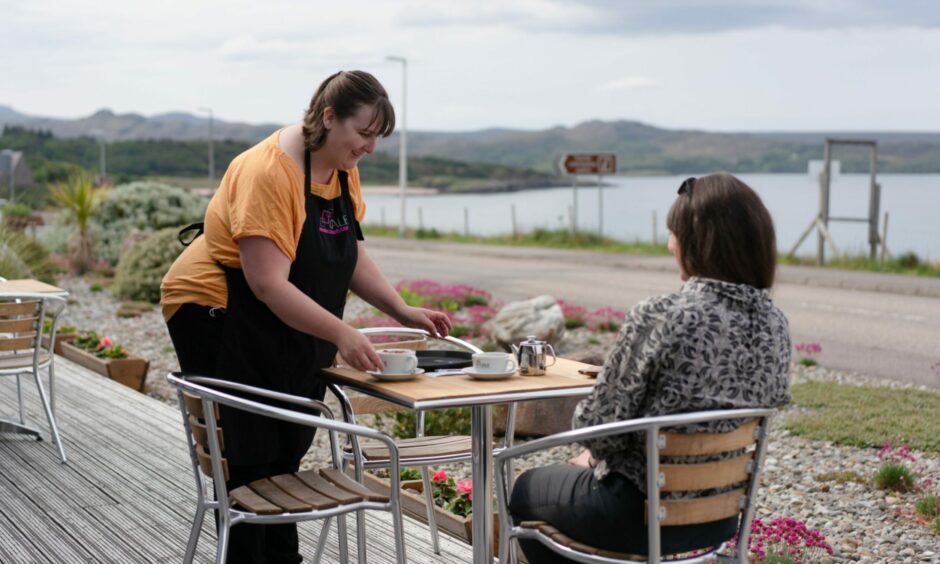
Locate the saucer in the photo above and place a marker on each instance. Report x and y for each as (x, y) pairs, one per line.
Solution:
(477, 375)
(394, 376)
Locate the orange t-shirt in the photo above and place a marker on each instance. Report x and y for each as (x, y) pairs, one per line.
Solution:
(261, 195)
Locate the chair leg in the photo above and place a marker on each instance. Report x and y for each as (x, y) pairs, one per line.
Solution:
(221, 551)
(514, 551)
(361, 536)
(194, 535)
(343, 541)
(429, 503)
(321, 542)
(19, 400)
(50, 417)
(399, 530)
(52, 384)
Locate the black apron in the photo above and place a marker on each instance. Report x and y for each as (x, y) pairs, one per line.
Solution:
(258, 349)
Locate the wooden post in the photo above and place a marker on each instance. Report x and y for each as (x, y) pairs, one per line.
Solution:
(884, 240)
(466, 221)
(655, 237)
(512, 210)
(420, 219)
(383, 216)
(874, 202)
(600, 208)
(824, 204)
(574, 204)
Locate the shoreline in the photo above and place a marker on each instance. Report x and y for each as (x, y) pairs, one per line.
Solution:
(394, 189)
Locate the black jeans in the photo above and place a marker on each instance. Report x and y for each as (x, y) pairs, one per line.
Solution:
(196, 332)
(607, 514)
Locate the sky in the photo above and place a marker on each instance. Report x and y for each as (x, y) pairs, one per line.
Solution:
(721, 65)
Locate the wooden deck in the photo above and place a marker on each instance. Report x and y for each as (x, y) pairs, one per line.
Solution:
(127, 493)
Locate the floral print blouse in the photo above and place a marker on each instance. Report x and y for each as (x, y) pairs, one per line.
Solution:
(713, 345)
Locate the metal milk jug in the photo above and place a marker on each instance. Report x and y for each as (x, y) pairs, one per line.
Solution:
(531, 355)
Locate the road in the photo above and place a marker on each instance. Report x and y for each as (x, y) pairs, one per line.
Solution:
(885, 326)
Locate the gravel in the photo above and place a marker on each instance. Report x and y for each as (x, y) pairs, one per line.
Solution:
(861, 523)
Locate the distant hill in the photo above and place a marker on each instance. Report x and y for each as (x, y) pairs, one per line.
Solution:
(641, 148)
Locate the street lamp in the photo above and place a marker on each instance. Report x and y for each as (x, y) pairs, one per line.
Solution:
(403, 143)
(211, 151)
(102, 153)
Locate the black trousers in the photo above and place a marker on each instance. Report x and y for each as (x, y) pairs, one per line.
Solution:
(607, 514)
(196, 332)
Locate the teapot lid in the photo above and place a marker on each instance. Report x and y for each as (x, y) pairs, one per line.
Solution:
(530, 339)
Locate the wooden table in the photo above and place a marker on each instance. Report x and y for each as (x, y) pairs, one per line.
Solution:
(424, 392)
(29, 288)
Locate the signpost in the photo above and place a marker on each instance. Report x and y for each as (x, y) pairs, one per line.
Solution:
(588, 163)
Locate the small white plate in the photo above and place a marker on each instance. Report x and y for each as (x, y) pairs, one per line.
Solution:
(395, 376)
(477, 375)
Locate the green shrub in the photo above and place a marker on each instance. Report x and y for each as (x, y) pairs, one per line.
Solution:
(23, 257)
(929, 505)
(139, 273)
(454, 421)
(16, 209)
(894, 477)
(143, 206)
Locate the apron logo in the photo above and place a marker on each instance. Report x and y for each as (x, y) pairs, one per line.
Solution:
(331, 225)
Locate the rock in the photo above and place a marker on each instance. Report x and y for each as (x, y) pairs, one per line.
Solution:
(541, 316)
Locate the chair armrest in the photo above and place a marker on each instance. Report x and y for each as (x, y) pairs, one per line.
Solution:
(270, 394)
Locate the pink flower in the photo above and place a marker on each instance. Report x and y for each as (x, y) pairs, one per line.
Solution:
(105, 343)
(465, 486)
(439, 476)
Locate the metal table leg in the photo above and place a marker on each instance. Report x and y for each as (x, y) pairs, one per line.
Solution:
(482, 467)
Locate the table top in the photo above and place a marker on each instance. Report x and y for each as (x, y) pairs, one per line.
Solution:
(30, 286)
(424, 392)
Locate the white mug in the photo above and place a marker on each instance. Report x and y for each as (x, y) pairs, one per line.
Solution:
(398, 361)
(494, 362)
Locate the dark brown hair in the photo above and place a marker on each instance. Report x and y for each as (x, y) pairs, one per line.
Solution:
(724, 232)
(346, 92)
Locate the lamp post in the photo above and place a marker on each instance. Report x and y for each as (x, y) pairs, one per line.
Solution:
(403, 143)
(211, 151)
(102, 153)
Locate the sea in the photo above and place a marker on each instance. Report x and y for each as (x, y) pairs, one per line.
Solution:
(633, 208)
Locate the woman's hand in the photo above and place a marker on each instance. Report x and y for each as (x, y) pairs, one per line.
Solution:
(584, 459)
(434, 322)
(357, 351)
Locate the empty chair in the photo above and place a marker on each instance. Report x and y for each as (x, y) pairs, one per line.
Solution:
(21, 353)
(696, 491)
(321, 493)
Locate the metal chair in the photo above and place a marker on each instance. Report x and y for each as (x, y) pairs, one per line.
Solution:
(21, 352)
(680, 473)
(288, 498)
(421, 451)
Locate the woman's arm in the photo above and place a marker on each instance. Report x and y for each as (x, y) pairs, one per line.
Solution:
(266, 269)
(370, 284)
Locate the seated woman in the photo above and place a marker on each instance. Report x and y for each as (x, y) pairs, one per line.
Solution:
(717, 343)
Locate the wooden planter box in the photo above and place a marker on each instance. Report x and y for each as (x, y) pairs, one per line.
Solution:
(59, 339)
(412, 504)
(130, 371)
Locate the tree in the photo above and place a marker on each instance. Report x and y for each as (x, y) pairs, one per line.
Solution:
(79, 199)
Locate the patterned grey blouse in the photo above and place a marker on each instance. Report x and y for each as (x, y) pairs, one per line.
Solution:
(712, 345)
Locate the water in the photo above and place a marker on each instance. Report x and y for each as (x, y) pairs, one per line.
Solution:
(912, 201)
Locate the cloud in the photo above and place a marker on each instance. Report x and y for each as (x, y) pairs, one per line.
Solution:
(629, 83)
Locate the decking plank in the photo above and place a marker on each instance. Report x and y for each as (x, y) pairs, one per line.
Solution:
(127, 493)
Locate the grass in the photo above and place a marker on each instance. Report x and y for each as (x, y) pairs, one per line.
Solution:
(907, 263)
(841, 477)
(555, 239)
(866, 416)
(895, 477)
(563, 239)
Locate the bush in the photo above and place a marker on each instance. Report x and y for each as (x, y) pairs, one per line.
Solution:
(452, 421)
(144, 206)
(894, 477)
(928, 506)
(139, 273)
(23, 257)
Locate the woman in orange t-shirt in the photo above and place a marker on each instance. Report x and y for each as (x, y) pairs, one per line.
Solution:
(259, 298)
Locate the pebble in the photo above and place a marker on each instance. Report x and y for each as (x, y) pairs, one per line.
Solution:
(861, 523)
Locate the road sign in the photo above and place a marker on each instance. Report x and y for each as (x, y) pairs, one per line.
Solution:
(589, 163)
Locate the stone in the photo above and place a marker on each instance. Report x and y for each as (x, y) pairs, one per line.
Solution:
(540, 316)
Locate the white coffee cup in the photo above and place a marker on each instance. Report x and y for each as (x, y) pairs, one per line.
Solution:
(398, 361)
(494, 362)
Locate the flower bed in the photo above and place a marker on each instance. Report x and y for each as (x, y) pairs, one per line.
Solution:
(101, 355)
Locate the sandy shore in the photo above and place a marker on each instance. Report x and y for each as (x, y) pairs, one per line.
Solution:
(393, 189)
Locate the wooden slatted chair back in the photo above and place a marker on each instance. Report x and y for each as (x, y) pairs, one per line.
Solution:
(682, 470)
(19, 325)
(195, 414)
